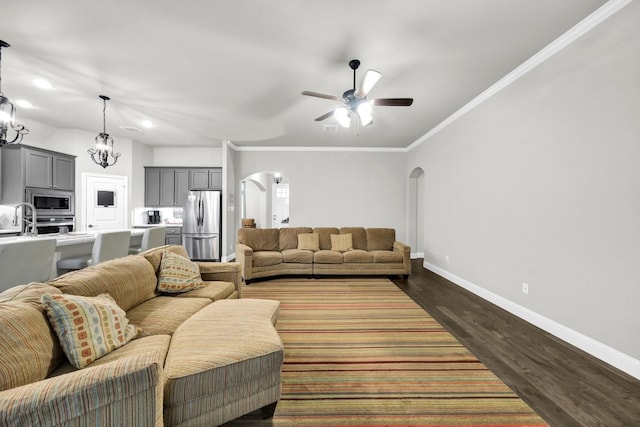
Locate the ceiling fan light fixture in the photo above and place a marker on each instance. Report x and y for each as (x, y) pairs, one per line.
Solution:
(343, 116)
(365, 110)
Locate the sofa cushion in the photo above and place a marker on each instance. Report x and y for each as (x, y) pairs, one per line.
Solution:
(260, 239)
(129, 280)
(214, 290)
(219, 360)
(380, 239)
(328, 257)
(308, 241)
(178, 274)
(358, 256)
(88, 327)
(151, 344)
(380, 257)
(154, 255)
(289, 237)
(29, 348)
(163, 314)
(30, 293)
(325, 236)
(359, 236)
(297, 255)
(266, 258)
(341, 242)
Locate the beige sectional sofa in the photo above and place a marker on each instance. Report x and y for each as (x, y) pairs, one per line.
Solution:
(267, 252)
(204, 357)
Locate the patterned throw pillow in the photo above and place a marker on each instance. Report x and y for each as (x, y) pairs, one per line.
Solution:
(88, 327)
(178, 274)
(309, 241)
(342, 242)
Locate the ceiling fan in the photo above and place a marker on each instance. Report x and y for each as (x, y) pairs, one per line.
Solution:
(355, 102)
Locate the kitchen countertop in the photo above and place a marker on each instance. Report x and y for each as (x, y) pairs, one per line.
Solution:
(72, 238)
(156, 225)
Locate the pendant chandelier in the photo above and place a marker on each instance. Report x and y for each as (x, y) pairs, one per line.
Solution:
(104, 143)
(8, 114)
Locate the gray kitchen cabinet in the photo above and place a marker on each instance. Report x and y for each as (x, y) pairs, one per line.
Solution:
(45, 169)
(165, 186)
(174, 236)
(24, 166)
(151, 187)
(205, 179)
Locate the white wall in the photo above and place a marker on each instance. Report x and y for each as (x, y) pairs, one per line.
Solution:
(541, 185)
(338, 189)
(186, 156)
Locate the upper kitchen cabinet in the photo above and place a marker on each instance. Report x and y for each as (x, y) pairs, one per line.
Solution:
(165, 186)
(24, 166)
(205, 179)
(44, 169)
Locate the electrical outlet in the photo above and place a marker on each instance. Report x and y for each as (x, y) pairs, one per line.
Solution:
(525, 288)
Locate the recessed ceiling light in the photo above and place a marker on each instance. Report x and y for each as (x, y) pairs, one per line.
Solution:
(147, 124)
(42, 83)
(24, 103)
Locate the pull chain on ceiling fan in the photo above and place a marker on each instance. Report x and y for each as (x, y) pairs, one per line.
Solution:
(355, 102)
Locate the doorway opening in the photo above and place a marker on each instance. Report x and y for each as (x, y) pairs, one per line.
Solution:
(416, 213)
(265, 198)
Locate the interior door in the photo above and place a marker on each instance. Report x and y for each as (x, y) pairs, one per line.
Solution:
(279, 205)
(104, 202)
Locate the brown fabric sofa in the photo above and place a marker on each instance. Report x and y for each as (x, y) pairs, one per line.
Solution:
(267, 252)
(205, 357)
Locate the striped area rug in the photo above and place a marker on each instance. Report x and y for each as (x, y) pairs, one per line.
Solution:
(360, 352)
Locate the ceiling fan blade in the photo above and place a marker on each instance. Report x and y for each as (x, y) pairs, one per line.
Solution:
(325, 116)
(369, 80)
(393, 102)
(321, 95)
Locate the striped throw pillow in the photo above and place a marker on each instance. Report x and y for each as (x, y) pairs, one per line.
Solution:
(87, 327)
(178, 274)
(342, 242)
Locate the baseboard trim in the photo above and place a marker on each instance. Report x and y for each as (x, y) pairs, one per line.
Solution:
(416, 255)
(595, 348)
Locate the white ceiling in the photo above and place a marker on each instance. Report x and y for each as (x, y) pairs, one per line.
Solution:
(208, 71)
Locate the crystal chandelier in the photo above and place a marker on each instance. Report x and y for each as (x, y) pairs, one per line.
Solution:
(104, 143)
(8, 114)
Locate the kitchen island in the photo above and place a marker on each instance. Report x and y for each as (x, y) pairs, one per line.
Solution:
(71, 244)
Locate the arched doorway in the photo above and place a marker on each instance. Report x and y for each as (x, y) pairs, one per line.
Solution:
(265, 198)
(416, 213)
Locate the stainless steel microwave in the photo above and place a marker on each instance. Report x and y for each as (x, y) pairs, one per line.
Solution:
(51, 202)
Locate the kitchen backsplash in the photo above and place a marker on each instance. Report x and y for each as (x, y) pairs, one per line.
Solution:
(167, 215)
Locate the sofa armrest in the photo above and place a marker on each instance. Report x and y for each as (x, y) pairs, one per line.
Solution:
(223, 271)
(244, 256)
(405, 250)
(125, 392)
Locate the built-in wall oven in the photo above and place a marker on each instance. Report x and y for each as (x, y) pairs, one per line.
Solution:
(55, 224)
(50, 203)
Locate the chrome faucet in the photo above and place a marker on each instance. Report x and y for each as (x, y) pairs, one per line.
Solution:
(30, 225)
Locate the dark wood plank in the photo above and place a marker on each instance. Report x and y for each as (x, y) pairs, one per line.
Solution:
(563, 384)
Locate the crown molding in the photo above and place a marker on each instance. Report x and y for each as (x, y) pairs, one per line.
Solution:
(581, 28)
(316, 149)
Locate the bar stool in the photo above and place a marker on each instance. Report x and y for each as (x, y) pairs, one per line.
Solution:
(23, 262)
(152, 238)
(108, 245)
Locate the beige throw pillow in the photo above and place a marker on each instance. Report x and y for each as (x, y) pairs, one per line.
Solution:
(342, 242)
(309, 241)
(88, 327)
(178, 274)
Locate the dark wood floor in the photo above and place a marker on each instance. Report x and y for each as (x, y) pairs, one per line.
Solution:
(564, 385)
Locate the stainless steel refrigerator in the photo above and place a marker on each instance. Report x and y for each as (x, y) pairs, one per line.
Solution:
(201, 220)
